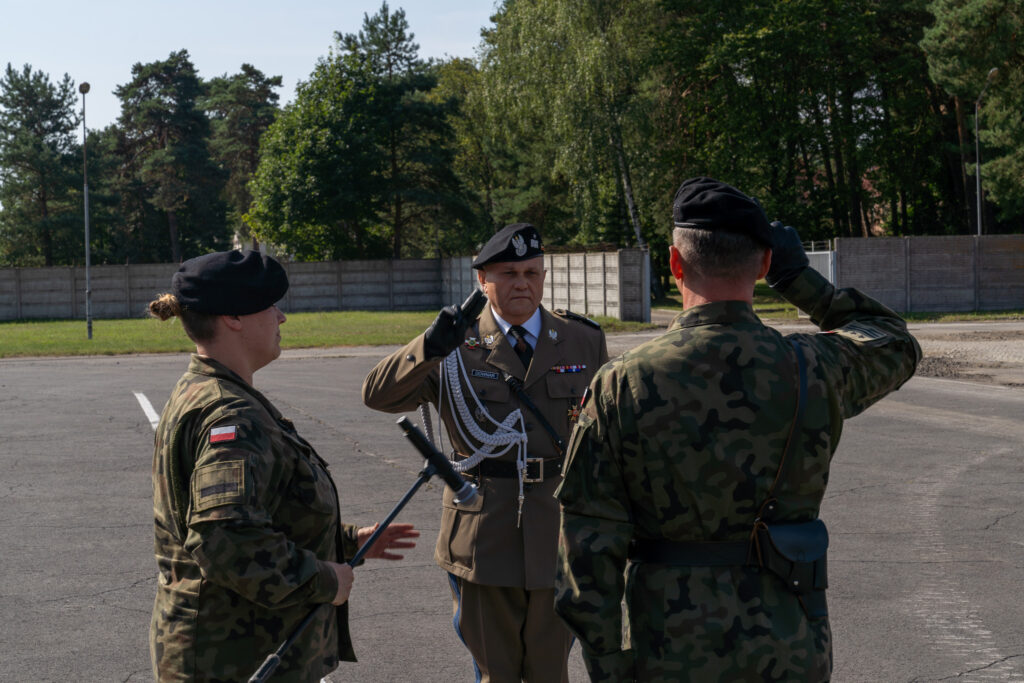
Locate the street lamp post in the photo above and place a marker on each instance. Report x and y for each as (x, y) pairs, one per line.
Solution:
(84, 88)
(977, 146)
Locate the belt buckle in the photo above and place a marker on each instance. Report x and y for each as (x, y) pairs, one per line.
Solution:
(527, 479)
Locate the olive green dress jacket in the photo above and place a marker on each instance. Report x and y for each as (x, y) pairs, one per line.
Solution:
(480, 542)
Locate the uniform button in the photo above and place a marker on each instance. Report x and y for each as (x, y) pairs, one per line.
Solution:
(410, 358)
(529, 426)
(572, 390)
(483, 392)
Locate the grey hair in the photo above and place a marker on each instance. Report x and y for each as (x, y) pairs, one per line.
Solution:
(717, 253)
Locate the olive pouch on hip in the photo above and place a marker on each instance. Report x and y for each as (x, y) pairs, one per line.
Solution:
(796, 553)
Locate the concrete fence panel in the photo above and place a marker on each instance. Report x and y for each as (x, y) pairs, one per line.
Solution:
(1001, 280)
(610, 284)
(877, 266)
(935, 274)
(942, 275)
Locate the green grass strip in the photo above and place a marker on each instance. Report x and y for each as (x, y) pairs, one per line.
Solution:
(148, 335)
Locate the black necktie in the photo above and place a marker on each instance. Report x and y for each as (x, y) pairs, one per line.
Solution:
(522, 347)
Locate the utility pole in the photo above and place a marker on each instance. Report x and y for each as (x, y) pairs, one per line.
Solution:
(84, 88)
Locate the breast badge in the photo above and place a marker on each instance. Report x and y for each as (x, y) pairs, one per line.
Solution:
(562, 369)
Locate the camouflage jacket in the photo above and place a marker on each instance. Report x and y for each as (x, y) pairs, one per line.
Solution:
(480, 542)
(680, 439)
(245, 513)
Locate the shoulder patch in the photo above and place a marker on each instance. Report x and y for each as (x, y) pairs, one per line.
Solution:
(221, 434)
(859, 332)
(219, 483)
(563, 313)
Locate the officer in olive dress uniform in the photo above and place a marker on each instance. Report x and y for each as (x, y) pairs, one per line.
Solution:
(248, 536)
(500, 549)
(671, 476)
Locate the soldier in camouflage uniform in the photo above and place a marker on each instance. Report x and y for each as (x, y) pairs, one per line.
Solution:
(678, 446)
(499, 550)
(248, 535)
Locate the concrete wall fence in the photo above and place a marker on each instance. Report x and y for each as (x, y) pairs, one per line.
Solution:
(613, 284)
(908, 274)
(935, 274)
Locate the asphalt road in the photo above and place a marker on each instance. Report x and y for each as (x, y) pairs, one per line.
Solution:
(924, 508)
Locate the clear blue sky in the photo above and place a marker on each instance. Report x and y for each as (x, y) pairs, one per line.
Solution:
(99, 40)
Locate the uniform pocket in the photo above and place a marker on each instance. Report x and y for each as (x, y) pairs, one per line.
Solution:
(311, 486)
(172, 636)
(491, 389)
(219, 483)
(459, 527)
(570, 385)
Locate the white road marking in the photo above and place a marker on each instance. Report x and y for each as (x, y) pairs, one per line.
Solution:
(147, 408)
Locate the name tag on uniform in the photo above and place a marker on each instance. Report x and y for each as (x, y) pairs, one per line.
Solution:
(486, 374)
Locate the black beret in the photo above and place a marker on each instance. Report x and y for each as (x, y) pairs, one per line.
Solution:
(708, 204)
(516, 242)
(229, 283)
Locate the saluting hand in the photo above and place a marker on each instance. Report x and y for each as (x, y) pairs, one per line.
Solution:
(788, 256)
(446, 332)
(394, 538)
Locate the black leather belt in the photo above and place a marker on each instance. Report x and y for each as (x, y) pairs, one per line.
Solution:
(537, 469)
(691, 553)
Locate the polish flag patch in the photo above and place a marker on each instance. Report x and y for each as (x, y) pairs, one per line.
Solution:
(219, 434)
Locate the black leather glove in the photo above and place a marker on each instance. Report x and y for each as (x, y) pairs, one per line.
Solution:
(446, 332)
(788, 256)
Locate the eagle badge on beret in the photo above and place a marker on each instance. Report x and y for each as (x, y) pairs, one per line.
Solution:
(519, 244)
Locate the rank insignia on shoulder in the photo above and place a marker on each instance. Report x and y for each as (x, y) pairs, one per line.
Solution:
(561, 369)
(859, 332)
(221, 434)
(563, 313)
(472, 342)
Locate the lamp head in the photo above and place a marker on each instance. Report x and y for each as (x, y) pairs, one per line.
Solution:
(83, 88)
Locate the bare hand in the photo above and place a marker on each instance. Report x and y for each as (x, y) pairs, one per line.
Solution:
(393, 538)
(345, 576)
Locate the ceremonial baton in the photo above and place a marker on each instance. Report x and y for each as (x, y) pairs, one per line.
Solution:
(436, 464)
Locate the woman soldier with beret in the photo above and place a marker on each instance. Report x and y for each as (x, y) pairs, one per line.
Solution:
(248, 534)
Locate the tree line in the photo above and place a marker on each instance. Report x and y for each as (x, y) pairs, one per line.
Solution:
(843, 117)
